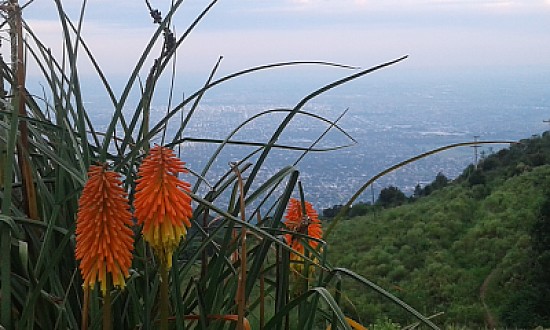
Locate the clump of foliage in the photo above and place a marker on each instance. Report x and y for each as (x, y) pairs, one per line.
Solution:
(391, 196)
(439, 182)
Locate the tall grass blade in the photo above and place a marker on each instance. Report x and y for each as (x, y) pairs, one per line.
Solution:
(5, 234)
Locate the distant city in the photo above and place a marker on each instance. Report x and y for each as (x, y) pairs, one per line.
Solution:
(391, 118)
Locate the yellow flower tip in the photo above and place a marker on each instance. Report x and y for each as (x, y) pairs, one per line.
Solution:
(162, 204)
(104, 240)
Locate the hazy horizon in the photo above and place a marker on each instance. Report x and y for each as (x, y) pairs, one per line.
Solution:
(392, 116)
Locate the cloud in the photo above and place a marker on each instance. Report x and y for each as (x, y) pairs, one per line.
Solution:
(115, 46)
(358, 32)
(398, 5)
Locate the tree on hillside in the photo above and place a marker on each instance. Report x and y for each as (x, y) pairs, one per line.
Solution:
(391, 196)
(440, 181)
(332, 211)
(477, 177)
(418, 191)
(489, 163)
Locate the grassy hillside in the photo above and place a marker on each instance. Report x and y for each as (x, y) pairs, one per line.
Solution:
(474, 250)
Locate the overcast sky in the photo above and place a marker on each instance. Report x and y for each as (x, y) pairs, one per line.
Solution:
(438, 34)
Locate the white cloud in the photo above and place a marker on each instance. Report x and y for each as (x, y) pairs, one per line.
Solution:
(115, 47)
(357, 32)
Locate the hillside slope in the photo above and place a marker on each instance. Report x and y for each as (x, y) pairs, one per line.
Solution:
(474, 250)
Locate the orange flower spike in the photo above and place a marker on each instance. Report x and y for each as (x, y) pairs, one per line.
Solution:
(161, 203)
(295, 222)
(104, 239)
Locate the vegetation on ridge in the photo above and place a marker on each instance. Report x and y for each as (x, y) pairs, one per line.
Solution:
(475, 250)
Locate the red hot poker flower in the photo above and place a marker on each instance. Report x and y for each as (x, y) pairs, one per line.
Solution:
(307, 225)
(162, 204)
(104, 240)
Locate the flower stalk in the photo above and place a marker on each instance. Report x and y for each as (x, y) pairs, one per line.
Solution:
(241, 297)
(107, 311)
(164, 296)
